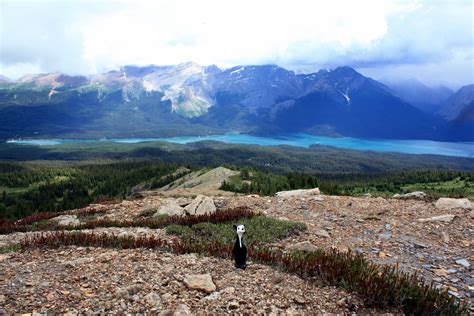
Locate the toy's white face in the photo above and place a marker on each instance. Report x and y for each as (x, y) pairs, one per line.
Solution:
(240, 229)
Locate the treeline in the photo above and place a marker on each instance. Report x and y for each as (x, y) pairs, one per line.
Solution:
(391, 183)
(434, 182)
(56, 187)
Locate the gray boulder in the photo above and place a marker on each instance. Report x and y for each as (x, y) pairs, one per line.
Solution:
(170, 207)
(417, 195)
(201, 205)
(298, 193)
(66, 220)
(449, 204)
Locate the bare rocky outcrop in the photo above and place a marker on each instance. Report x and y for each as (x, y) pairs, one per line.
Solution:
(200, 182)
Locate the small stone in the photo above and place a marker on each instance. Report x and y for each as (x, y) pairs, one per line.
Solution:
(299, 299)
(374, 250)
(166, 296)
(341, 302)
(419, 245)
(463, 262)
(440, 272)
(234, 305)
(303, 246)
(229, 290)
(212, 296)
(445, 237)
(386, 235)
(50, 296)
(382, 254)
(182, 310)
(357, 251)
(153, 299)
(201, 282)
(441, 218)
(455, 294)
(321, 233)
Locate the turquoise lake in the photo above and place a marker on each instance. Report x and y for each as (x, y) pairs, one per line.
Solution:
(462, 149)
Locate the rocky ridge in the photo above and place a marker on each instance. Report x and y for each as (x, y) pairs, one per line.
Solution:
(432, 239)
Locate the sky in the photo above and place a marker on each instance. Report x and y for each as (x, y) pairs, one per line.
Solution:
(430, 40)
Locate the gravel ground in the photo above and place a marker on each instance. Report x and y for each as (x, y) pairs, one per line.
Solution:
(94, 280)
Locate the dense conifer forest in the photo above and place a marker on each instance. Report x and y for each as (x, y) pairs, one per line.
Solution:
(29, 187)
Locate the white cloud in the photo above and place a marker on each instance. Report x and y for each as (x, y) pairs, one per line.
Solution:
(87, 36)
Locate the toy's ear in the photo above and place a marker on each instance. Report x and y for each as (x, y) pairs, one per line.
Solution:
(235, 226)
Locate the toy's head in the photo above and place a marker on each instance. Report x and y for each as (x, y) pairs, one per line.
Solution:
(240, 229)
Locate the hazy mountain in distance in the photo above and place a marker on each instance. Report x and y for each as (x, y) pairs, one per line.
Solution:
(413, 91)
(458, 102)
(459, 111)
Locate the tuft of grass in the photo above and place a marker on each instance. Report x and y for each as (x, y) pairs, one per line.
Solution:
(260, 230)
(10, 248)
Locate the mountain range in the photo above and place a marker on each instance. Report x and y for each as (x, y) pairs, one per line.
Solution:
(190, 99)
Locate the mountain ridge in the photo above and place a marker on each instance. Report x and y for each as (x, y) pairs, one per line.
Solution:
(192, 99)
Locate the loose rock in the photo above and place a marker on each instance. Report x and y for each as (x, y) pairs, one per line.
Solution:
(201, 282)
(463, 262)
(442, 218)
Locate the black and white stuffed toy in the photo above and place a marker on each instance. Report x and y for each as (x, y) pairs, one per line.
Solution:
(240, 250)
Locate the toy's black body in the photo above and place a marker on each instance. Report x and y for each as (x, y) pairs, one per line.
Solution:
(240, 254)
(240, 250)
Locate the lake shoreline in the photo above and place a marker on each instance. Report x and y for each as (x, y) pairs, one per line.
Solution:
(459, 149)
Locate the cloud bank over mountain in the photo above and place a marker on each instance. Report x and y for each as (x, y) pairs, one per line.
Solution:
(428, 40)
